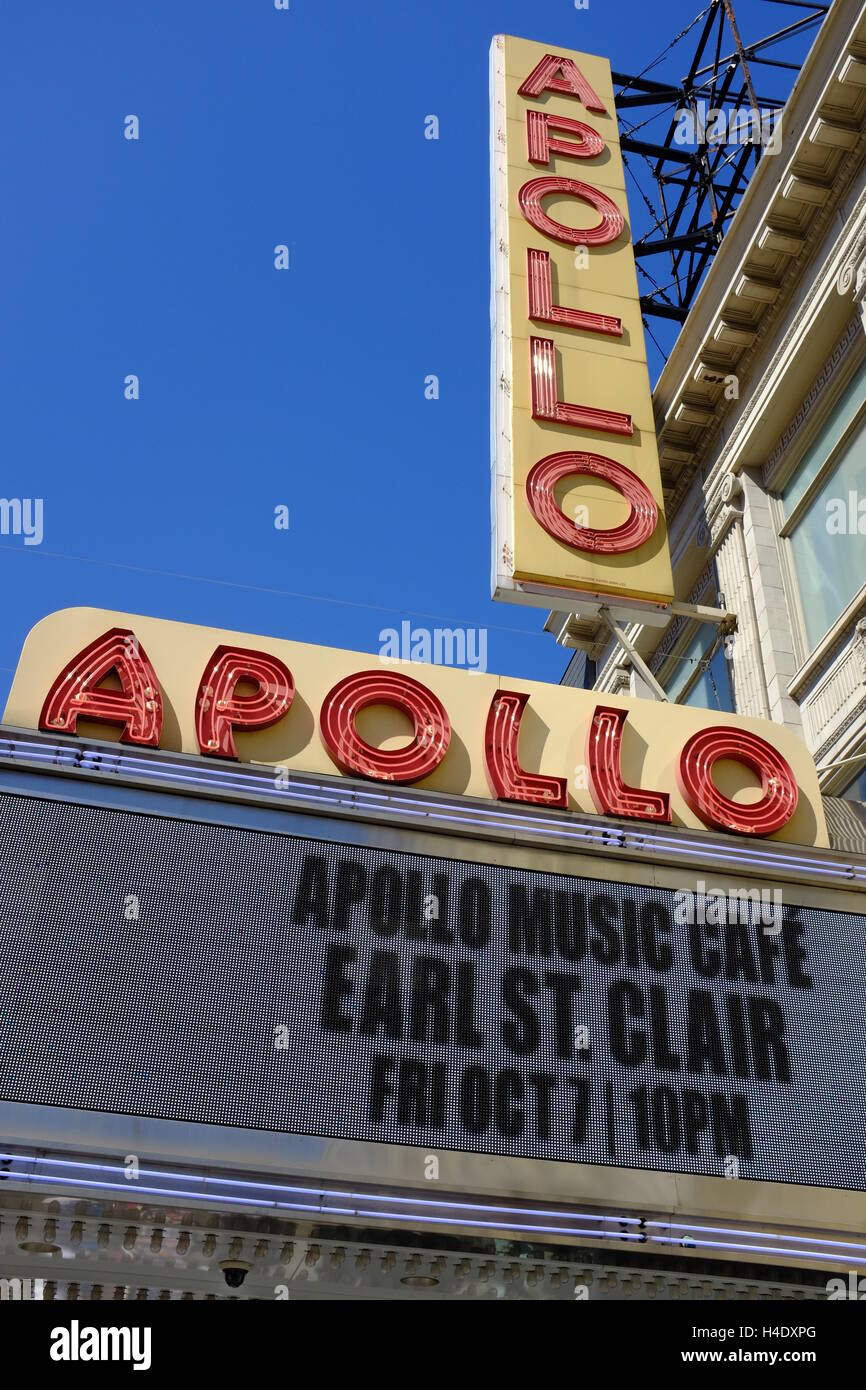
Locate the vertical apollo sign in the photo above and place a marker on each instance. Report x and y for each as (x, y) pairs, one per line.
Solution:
(577, 507)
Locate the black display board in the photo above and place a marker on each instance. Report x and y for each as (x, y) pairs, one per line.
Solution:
(194, 971)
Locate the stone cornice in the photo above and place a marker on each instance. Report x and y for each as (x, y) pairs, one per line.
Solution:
(822, 286)
(788, 439)
(786, 211)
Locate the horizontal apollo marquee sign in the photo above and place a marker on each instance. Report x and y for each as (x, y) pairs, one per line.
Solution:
(87, 672)
(311, 987)
(577, 496)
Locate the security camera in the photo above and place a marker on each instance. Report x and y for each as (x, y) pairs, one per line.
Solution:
(235, 1272)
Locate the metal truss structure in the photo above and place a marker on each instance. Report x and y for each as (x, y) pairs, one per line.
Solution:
(718, 127)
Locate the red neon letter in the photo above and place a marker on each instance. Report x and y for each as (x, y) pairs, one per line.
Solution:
(74, 694)
(542, 307)
(695, 781)
(610, 794)
(506, 778)
(539, 144)
(351, 753)
(218, 709)
(541, 500)
(545, 406)
(605, 231)
(543, 78)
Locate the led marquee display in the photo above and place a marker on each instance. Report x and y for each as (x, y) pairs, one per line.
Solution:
(162, 967)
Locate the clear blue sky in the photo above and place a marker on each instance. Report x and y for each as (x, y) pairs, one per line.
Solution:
(259, 388)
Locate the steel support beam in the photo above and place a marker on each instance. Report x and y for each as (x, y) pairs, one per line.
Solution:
(704, 182)
(633, 655)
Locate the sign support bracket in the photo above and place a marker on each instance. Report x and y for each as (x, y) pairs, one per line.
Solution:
(634, 656)
(560, 624)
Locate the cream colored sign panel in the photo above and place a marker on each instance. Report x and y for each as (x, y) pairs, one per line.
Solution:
(553, 118)
(552, 735)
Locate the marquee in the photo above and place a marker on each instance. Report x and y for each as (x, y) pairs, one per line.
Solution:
(297, 706)
(577, 503)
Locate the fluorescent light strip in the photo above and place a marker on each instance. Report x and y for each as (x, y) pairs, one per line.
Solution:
(519, 818)
(327, 1207)
(516, 817)
(611, 838)
(732, 1231)
(124, 1187)
(324, 1192)
(321, 1210)
(416, 1218)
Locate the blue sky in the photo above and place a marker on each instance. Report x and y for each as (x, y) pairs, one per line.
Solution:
(257, 387)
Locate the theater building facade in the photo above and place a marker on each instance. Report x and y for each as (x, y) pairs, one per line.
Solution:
(329, 975)
(760, 415)
(295, 1007)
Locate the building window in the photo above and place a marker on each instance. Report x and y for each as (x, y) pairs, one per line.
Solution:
(700, 675)
(856, 790)
(824, 511)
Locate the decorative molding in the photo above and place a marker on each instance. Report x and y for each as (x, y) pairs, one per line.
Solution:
(824, 282)
(621, 681)
(860, 645)
(856, 714)
(764, 330)
(827, 701)
(852, 277)
(722, 517)
(816, 390)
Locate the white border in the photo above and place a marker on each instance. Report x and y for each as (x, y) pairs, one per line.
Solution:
(501, 378)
